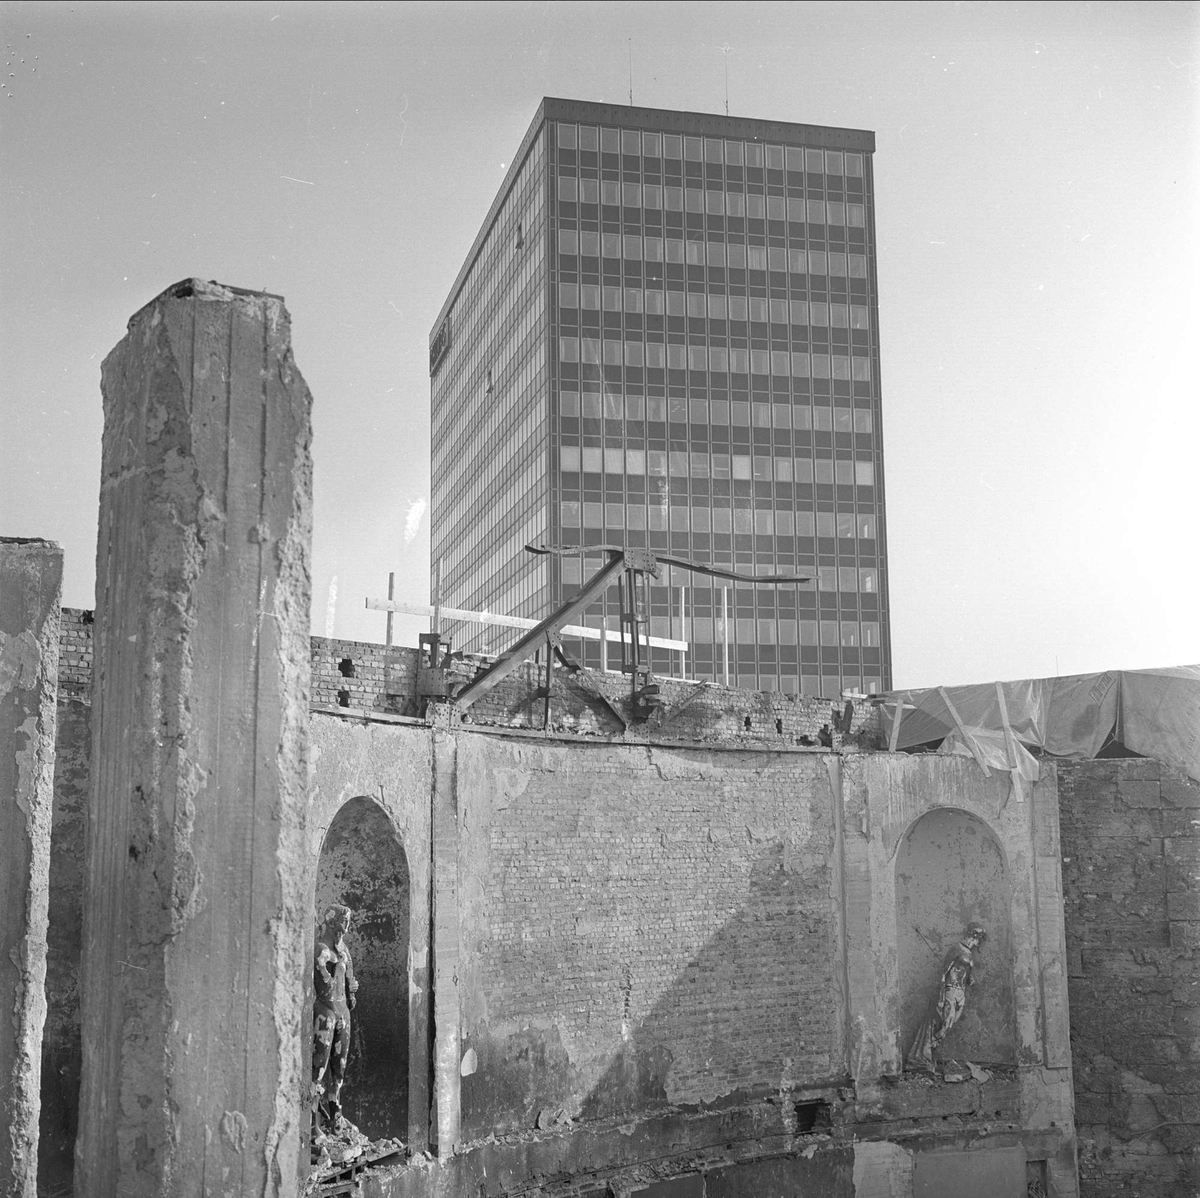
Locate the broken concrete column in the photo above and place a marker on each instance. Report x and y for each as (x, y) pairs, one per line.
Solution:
(194, 961)
(30, 606)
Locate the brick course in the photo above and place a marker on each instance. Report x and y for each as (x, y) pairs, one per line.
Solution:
(1131, 863)
(635, 935)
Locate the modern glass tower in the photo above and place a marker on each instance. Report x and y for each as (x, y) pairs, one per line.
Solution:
(666, 335)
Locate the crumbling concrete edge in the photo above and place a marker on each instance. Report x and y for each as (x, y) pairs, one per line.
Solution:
(29, 661)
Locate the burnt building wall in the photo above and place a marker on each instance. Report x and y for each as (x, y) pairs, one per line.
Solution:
(1131, 868)
(642, 927)
(548, 824)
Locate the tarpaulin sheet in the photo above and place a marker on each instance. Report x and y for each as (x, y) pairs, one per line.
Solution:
(1152, 712)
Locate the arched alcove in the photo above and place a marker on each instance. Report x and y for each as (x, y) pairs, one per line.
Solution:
(950, 871)
(363, 865)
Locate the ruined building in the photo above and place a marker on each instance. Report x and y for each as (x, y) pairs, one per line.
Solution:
(666, 335)
(681, 956)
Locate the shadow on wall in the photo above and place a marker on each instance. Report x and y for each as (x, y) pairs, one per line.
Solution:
(363, 865)
(950, 870)
(62, 1052)
(754, 1003)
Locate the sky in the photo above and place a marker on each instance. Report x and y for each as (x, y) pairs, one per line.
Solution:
(1038, 230)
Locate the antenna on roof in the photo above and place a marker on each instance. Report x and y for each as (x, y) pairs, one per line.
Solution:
(631, 72)
(726, 50)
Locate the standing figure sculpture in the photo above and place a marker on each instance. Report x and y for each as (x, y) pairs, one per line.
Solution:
(948, 1003)
(333, 1000)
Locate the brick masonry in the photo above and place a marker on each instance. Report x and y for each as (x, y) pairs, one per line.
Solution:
(632, 938)
(696, 923)
(360, 676)
(1131, 876)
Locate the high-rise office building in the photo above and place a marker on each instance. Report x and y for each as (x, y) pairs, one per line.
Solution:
(666, 335)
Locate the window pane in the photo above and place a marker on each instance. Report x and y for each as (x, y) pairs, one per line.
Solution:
(566, 136)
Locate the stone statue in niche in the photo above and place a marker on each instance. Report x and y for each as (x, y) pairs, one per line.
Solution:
(333, 999)
(948, 1004)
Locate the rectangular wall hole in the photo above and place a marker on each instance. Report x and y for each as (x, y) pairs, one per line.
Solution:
(813, 1117)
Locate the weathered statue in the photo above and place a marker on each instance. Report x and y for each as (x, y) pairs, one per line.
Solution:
(333, 1000)
(948, 1003)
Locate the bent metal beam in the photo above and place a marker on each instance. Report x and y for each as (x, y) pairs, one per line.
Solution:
(194, 939)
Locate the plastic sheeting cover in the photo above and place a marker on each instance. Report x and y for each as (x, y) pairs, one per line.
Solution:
(1155, 713)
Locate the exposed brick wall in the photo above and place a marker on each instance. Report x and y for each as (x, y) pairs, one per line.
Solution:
(364, 676)
(75, 655)
(643, 926)
(1131, 872)
(690, 712)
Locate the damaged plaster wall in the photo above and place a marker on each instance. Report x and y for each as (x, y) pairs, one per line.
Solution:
(1131, 862)
(30, 600)
(62, 1052)
(386, 769)
(886, 797)
(641, 927)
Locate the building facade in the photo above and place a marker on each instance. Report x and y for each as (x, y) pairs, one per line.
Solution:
(666, 336)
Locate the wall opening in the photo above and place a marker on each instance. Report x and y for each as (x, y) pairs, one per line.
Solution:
(363, 865)
(950, 871)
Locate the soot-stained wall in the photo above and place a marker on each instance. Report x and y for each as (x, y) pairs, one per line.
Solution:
(950, 871)
(370, 810)
(1131, 863)
(62, 1054)
(642, 926)
(363, 866)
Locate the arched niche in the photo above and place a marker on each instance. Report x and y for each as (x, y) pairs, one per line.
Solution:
(363, 865)
(951, 870)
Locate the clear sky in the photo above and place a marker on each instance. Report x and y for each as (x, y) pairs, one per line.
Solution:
(1037, 216)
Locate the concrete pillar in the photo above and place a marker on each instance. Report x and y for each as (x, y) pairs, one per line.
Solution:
(30, 605)
(447, 1048)
(196, 913)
